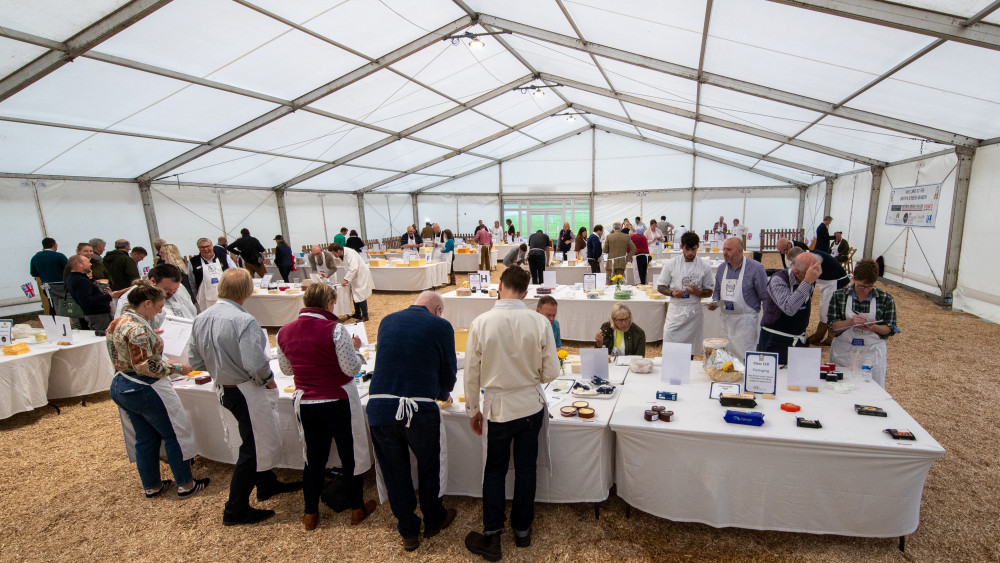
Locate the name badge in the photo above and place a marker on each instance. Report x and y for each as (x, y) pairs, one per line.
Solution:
(215, 280)
(730, 306)
(857, 342)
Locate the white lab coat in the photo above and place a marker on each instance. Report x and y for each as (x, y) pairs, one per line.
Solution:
(357, 275)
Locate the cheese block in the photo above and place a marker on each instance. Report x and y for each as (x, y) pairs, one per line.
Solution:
(15, 349)
(41, 337)
(377, 262)
(293, 291)
(426, 250)
(290, 389)
(417, 262)
(463, 292)
(273, 291)
(571, 262)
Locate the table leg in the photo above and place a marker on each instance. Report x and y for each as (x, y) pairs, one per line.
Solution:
(597, 511)
(628, 511)
(58, 411)
(902, 543)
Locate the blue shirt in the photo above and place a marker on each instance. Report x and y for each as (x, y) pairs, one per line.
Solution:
(555, 332)
(449, 245)
(754, 282)
(416, 358)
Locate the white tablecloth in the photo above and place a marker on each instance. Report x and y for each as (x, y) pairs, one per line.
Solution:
(569, 275)
(847, 478)
(580, 318)
(81, 368)
(470, 262)
(393, 278)
(281, 308)
(24, 379)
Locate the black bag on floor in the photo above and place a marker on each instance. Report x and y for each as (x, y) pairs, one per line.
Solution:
(335, 494)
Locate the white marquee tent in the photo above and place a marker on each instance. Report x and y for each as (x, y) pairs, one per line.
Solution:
(187, 118)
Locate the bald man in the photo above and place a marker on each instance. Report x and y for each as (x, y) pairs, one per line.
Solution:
(784, 245)
(741, 287)
(787, 306)
(415, 368)
(322, 262)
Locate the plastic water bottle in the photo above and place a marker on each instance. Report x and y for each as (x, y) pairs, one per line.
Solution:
(866, 371)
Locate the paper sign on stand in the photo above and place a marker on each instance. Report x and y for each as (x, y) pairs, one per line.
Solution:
(484, 278)
(571, 255)
(358, 329)
(593, 361)
(265, 280)
(549, 279)
(602, 282)
(474, 282)
(6, 330)
(57, 329)
(803, 366)
(761, 372)
(176, 335)
(589, 282)
(676, 366)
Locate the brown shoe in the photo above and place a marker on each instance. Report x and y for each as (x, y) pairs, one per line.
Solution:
(449, 517)
(411, 545)
(358, 515)
(310, 521)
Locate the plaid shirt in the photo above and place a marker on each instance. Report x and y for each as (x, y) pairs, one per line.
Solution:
(885, 308)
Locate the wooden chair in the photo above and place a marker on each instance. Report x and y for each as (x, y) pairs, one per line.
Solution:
(850, 260)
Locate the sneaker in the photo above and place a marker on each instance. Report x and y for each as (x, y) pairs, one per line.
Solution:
(487, 546)
(278, 488)
(522, 541)
(449, 517)
(199, 484)
(249, 516)
(156, 492)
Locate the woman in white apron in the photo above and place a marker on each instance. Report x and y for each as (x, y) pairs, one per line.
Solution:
(859, 334)
(687, 279)
(327, 404)
(150, 411)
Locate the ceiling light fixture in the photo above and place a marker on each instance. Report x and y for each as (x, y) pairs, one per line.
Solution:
(571, 116)
(538, 93)
(536, 90)
(474, 38)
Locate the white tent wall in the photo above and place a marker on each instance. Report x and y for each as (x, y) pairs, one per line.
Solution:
(467, 210)
(849, 208)
(20, 217)
(627, 164)
(609, 208)
(977, 291)
(186, 213)
(765, 209)
(675, 204)
(76, 211)
(387, 215)
(441, 209)
(305, 220)
(341, 210)
(256, 210)
(813, 213)
(904, 261)
(473, 208)
(561, 167)
(485, 182)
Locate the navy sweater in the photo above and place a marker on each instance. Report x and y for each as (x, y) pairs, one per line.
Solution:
(594, 249)
(416, 358)
(85, 292)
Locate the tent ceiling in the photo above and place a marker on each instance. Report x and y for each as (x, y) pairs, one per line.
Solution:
(367, 95)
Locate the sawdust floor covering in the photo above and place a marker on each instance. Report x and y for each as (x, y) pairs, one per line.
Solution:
(67, 491)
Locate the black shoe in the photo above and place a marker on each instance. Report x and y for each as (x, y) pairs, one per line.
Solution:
(411, 545)
(522, 541)
(249, 516)
(364, 319)
(277, 488)
(487, 546)
(449, 517)
(163, 487)
(199, 484)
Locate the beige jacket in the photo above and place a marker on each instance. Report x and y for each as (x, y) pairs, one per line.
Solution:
(616, 246)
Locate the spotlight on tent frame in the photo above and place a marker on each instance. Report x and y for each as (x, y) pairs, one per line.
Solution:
(571, 116)
(474, 38)
(538, 91)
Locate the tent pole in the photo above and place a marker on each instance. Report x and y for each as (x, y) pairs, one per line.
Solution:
(593, 171)
(960, 198)
(828, 203)
(503, 223)
(877, 173)
(361, 216)
(149, 212)
(322, 211)
(416, 213)
(282, 216)
(38, 207)
(802, 207)
(222, 217)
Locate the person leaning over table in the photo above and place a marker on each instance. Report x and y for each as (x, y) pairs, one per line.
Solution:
(620, 335)
(150, 411)
(862, 317)
(516, 257)
(411, 240)
(326, 399)
(594, 250)
(410, 376)
(580, 243)
(176, 302)
(548, 307)
(95, 304)
(741, 284)
(565, 240)
(509, 354)
(229, 343)
(358, 276)
(322, 262)
(539, 255)
(687, 279)
(283, 257)
(249, 249)
(787, 305)
(448, 255)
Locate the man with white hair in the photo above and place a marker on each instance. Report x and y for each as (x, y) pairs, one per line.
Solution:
(787, 306)
(205, 272)
(411, 374)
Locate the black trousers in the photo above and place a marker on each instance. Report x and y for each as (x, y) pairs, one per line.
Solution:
(536, 265)
(393, 443)
(595, 265)
(321, 424)
(245, 474)
(522, 434)
(284, 271)
(641, 262)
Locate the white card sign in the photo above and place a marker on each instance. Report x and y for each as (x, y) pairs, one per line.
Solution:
(176, 335)
(266, 280)
(803, 366)
(676, 366)
(761, 372)
(593, 361)
(589, 282)
(6, 328)
(474, 282)
(358, 329)
(602, 282)
(57, 329)
(484, 278)
(571, 255)
(549, 279)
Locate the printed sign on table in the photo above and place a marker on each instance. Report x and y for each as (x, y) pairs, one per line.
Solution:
(761, 372)
(6, 328)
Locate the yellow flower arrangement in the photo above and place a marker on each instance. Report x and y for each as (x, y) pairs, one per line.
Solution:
(617, 279)
(562, 355)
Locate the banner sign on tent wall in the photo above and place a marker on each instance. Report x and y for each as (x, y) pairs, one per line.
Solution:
(914, 206)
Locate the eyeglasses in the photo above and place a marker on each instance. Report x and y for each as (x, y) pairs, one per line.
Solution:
(864, 285)
(204, 247)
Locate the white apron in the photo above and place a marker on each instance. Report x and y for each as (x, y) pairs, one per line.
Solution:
(684, 316)
(178, 420)
(867, 342)
(208, 293)
(407, 406)
(544, 461)
(262, 403)
(740, 323)
(359, 430)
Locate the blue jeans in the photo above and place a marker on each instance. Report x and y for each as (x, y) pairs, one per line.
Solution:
(152, 425)
(523, 434)
(393, 443)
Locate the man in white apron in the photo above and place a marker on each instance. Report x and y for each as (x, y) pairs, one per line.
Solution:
(742, 284)
(228, 343)
(510, 352)
(410, 376)
(687, 279)
(858, 332)
(205, 272)
(358, 276)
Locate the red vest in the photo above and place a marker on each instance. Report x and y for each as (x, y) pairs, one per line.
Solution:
(307, 342)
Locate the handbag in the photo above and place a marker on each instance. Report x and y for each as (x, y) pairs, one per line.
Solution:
(70, 308)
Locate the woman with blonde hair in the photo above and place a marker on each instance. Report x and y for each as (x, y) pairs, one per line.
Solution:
(620, 335)
(565, 239)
